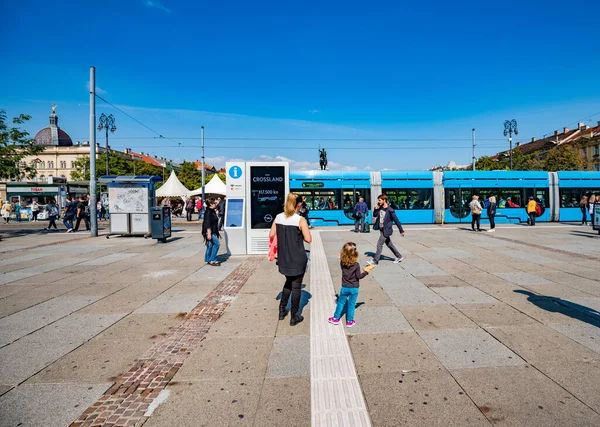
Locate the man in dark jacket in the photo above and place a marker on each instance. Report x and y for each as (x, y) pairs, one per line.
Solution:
(221, 212)
(385, 217)
(360, 213)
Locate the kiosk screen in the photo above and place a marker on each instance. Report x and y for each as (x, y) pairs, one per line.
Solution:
(267, 194)
(234, 212)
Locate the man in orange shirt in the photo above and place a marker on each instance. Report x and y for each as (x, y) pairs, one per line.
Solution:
(531, 205)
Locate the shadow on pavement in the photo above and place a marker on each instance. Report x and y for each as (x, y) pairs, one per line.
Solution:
(382, 258)
(305, 296)
(568, 308)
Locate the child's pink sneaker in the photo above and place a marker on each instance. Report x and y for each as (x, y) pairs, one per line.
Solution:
(334, 321)
(350, 323)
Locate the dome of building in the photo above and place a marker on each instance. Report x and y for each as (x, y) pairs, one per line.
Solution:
(53, 135)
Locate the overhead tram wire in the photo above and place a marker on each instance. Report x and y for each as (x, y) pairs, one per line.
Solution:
(160, 136)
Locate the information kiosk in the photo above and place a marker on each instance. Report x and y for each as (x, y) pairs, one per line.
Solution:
(256, 193)
(130, 199)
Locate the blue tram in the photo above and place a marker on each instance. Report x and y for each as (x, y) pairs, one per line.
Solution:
(512, 190)
(423, 197)
(572, 186)
(332, 195)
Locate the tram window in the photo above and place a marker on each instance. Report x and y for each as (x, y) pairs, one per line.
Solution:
(510, 198)
(539, 194)
(326, 199)
(570, 197)
(308, 194)
(407, 198)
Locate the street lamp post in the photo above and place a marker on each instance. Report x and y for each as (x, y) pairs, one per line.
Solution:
(203, 174)
(510, 127)
(108, 123)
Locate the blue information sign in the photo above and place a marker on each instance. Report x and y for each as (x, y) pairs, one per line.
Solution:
(235, 212)
(235, 172)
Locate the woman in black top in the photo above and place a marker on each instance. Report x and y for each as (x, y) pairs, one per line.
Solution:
(210, 231)
(292, 231)
(491, 212)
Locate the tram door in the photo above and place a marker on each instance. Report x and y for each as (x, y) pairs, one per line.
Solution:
(457, 201)
(350, 197)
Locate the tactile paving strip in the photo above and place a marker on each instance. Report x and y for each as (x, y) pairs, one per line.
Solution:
(128, 400)
(336, 397)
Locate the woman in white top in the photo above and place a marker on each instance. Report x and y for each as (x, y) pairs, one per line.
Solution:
(35, 210)
(292, 231)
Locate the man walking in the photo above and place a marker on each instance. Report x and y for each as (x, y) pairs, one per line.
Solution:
(189, 208)
(385, 217)
(69, 214)
(360, 213)
(81, 214)
(221, 212)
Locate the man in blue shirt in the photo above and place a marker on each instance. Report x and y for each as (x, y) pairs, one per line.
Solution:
(360, 213)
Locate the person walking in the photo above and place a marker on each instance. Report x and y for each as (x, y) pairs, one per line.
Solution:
(291, 231)
(5, 212)
(591, 200)
(385, 217)
(221, 212)
(475, 213)
(35, 210)
(583, 205)
(53, 213)
(81, 214)
(351, 275)
(531, 206)
(69, 214)
(189, 208)
(17, 211)
(491, 213)
(210, 232)
(199, 208)
(304, 210)
(360, 214)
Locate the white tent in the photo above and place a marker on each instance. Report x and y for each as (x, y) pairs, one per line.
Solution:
(214, 186)
(172, 188)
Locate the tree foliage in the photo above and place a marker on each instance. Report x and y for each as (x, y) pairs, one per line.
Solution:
(15, 145)
(565, 158)
(521, 162)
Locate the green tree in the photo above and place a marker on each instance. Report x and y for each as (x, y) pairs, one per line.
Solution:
(525, 162)
(190, 176)
(564, 158)
(117, 165)
(15, 145)
(486, 163)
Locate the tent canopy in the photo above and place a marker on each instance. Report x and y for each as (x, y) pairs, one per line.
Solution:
(172, 188)
(214, 186)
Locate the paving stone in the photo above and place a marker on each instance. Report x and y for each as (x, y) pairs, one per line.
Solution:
(521, 278)
(249, 324)
(411, 295)
(377, 320)
(187, 252)
(522, 396)
(171, 303)
(21, 258)
(142, 327)
(227, 358)
(284, 402)
(584, 333)
(580, 378)
(465, 295)
(436, 317)
(109, 259)
(469, 348)
(4, 389)
(36, 405)
(442, 281)
(24, 322)
(214, 273)
(398, 352)
(424, 399)
(421, 268)
(210, 403)
(537, 343)
(290, 357)
(499, 314)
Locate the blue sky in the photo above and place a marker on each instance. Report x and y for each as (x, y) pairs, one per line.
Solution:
(420, 75)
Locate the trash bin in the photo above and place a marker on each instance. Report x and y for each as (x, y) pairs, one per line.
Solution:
(161, 223)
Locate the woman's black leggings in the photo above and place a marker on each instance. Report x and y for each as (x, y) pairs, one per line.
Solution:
(584, 212)
(492, 221)
(293, 285)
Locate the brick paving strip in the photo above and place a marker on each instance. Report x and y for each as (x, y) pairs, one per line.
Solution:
(128, 401)
(336, 396)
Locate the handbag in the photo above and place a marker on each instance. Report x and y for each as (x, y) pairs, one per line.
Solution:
(272, 249)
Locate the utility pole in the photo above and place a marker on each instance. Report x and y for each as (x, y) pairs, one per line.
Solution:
(203, 167)
(93, 188)
(473, 137)
(510, 127)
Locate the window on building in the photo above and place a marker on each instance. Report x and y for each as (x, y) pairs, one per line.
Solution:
(597, 167)
(72, 164)
(42, 164)
(63, 164)
(22, 164)
(596, 150)
(50, 164)
(50, 176)
(42, 178)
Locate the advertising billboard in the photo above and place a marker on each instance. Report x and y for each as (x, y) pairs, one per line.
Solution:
(267, 194)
